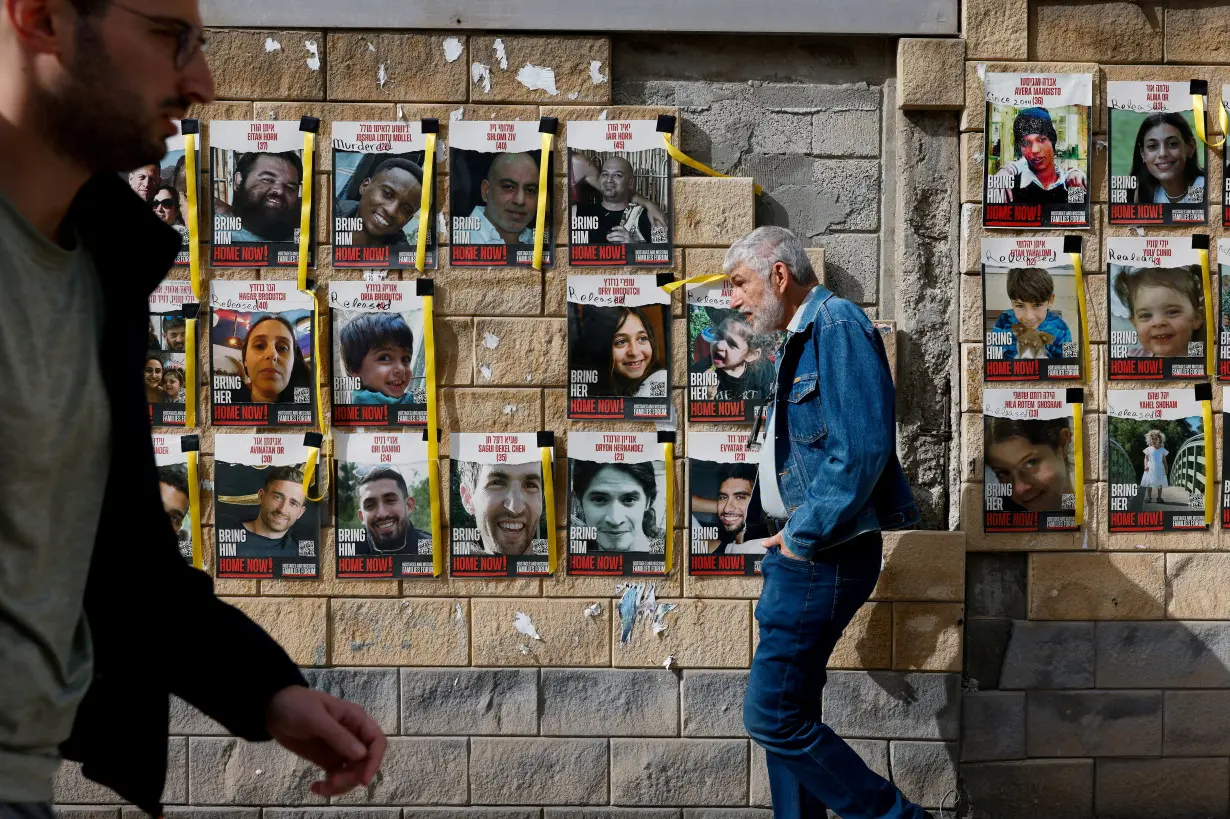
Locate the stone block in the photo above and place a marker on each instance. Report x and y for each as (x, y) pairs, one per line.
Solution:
(1198, 586)
(611, 813)
(1140, 788)
(328, 113)
(1108, 586)
(921, 565)
(375, 689)
(417, 771)
(1044, 655)
(569, 637)
(996, 29)
(454, 350)
(679, 771)
(852, 265)
(299, 625)
(1191, 28)
(468, 291)
(996, 585)
(1196, 723)
(699, 634)
(171, 812)
(893, 704)
(609, 703)
(419, 632)
(760, 792)
(927, 636)
(1093, 723)
(94, 812)
(973, 153)
(250, 64)
(846, 134)
(986, 645)
(402, 67)
(506, 410)
(1163, 655)
(727, 813)
(333, 812)
(229, 771)
(1163, 541)
(867, 641)
(993, 727)
(72, 787)
(470, 813)
(520, 352)
(1032, 789)
(557, 69)
(471, 586)
(712, 212)
(712, 703)
(974, 116)
(973, 320)
(469, 701)
(538, 771)
(926, 772)
(930, 73)
(187, 720)
(1117, 31)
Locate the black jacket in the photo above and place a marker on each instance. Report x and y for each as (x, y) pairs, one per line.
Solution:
(157, 627)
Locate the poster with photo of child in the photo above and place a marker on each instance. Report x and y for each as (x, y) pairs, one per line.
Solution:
(1031, 313)
(1223, 322)
(730, 367)
(378, 174)
(379, 354)
(1155, 460)
(724, 505)
(1158, 317)
(166, 357)
(163, 186)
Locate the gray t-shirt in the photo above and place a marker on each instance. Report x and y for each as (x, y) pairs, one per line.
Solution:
(54, 422)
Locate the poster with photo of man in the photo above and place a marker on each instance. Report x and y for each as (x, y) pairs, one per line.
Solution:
(379, 354)
(493, 193)
(175, 492)
(262, 360)
(730, 367)
(498, 516)
(619, 194)
(1223, 299)
(1157, 163)
(617, 515)
(378, 174)
(383, 506)
(256, 184)
(265, 522)
(166, 357)
(163, 186)
(725, 518)
(1038, 140)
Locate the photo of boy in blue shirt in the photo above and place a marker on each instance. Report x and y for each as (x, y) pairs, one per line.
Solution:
(1032, 293)
(378, 349)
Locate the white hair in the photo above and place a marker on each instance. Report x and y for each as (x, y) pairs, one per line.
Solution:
(766, 246)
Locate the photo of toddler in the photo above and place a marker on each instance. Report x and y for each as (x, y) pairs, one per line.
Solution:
(1156, 466)
(1165, 306)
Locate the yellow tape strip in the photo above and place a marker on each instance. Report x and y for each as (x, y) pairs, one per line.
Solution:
(1210, 332)
(671, 287)
(1078, 435)
(544, 194)
(433, 444)
(1084, 312)
(305, 213)
(682, 158)
(1198, 115)
(194, 508)
(309, 471)
(668, 454)
(190, 373)
(1210, 472)
(194, 228)
(548, 496)
(425, 223)
(326, 442)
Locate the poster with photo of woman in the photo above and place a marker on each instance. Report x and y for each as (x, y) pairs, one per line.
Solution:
(261, 342)
(619, 356)
(166, 357)
(617, 515)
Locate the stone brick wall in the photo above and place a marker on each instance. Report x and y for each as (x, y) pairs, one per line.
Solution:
(1096, 665)
(486, 724)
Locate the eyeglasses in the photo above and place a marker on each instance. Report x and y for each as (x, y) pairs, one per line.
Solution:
(164, 203)
(189, 39)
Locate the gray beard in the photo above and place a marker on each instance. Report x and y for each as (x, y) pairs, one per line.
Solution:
(766, 320)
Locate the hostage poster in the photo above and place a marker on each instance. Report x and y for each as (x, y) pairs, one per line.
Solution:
(730, 367)
(724, 505)
(163, 186)
(166, 356)
(173, 488)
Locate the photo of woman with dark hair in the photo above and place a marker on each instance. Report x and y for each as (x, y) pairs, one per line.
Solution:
(1035, 458)
(626, 352)
(273, 364)
(1164, 162)
(619, 501)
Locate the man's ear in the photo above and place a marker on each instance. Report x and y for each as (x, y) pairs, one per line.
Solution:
(39, 24)
(364, 185)
(485, 190)
(237, 181)
(410, 505)
(779, 277)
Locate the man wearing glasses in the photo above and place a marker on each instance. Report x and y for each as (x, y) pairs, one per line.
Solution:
(91, 643)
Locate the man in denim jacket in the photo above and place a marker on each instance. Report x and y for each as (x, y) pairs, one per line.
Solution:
(830, 481)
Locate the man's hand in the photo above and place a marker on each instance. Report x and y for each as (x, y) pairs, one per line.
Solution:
(1075, 178)
(776, 540)
(336, 735)
(619, 235)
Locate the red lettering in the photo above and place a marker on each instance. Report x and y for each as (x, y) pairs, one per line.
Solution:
(700, 409)
(341, 255)
(225, 253)
(583, 253)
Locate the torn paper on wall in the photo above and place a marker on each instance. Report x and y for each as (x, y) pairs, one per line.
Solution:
(525, 625)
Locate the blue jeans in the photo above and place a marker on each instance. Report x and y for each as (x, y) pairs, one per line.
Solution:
(802, 610)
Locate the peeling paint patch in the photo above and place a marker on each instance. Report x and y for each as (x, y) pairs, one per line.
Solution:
(501, 56)
(455, 114)
(491, 341)
(382, 76)
(601, 114)
(481, 73)
(523, 624)
(272, 45)
(538, 78)
(627, 612)
(371, 47)
(375, 275)
(313, 60)
(595, 72)
(663, 609)
(509, 409)
(485, 371)
(669, 661)
(452, 49)
(981, 71)
(572, 95)
(461, 615)
(594, 610)
(400, 113)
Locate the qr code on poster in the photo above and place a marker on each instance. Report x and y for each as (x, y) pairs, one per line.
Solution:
(1068, 502)
(1195, 349)
(657, 389)
(659, 235)
(1195, 500)
(1071, 349)
(303, 395)
(307, 548)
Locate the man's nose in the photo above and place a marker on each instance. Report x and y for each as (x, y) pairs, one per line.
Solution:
(519, 195)
(515, 501)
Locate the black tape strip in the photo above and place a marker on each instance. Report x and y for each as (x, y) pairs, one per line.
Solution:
(1200, 241)
(1072, 244)
(1199, 87)
(190, 310)
(548, 125)
(190, 126)
(1204, 392)
(1076, 395)
(666, 436)
(431, 125)
(664, 279)
(313, 439)
(666, 123)
(546, 438)
(439, 434)
(309, 124)
(190, 443)
(424, 287)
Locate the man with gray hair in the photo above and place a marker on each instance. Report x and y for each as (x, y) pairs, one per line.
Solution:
(829, 483)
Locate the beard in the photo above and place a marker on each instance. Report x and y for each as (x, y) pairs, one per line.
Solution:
(768, 316)
(391, 542)
(726, 536)
(275, 226)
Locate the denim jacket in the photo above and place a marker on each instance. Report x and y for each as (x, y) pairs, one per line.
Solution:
(835, 429)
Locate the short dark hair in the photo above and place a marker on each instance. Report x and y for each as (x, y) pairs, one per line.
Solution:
(246, 161)
(384, 473)
(742, 472)
(173, 323)
(370, 329)
(1030, 284)
(584, 472)
(174, 476)
(396, 162)
(294, 474)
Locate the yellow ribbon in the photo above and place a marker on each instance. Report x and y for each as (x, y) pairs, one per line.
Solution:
(194, 228)
(190, 373)
(682, 158)
(305, 212)
(322, 425)
(425, 224)
(1084, 312)
(194, 508)
(1209, 346)
(1198, 115)
(671, 287)
(1210, 477)
(433, 443)
(309, 471)
(668, 454)
(548, 496)
(544, 194)
(1078, 436)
